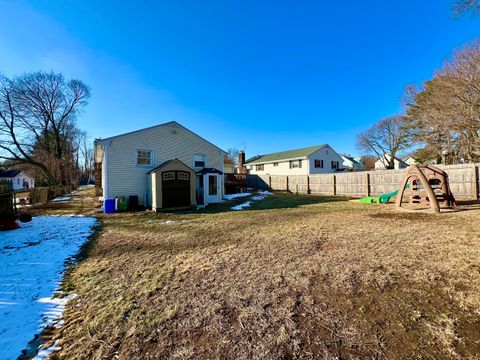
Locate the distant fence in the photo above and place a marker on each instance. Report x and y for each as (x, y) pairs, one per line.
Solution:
(464, 182)
(39, 195)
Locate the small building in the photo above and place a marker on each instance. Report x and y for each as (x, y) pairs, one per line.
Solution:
(17, 179)
(318, 159)
(353, 163)
(382, 163)
(156, 164)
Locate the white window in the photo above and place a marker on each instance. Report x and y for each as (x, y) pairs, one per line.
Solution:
(168, 175)
(335, 164)
(318, 164)
(259, 167)
(144, 158)
(199, 160)
(183, 176)
(275, 164)
(295, 164)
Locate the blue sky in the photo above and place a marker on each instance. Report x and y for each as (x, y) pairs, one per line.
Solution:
(262, 76)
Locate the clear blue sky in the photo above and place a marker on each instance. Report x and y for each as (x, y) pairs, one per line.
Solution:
(260, 75)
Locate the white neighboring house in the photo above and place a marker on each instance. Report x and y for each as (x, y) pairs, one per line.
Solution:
(17, 179)
(318, 159)
(129, 160)
(353, 163)
(382, 162)
(409, 160)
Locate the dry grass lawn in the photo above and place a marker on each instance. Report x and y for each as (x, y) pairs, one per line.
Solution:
(293, 277)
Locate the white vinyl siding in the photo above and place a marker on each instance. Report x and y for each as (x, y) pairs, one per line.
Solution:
(166, 142)
(291, 166)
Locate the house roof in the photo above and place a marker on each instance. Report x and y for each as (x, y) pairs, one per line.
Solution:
(9, 173)
(284, 155)
(100, 140)
(350, 158)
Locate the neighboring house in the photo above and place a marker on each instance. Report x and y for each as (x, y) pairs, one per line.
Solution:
(311, 160)
(381, 163)
(166, 166)
(409, 160)
(353, 163)
(17, 179)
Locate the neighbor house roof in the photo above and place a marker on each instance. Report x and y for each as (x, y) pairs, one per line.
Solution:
(284, 155)
(9, 173)
(350, 158)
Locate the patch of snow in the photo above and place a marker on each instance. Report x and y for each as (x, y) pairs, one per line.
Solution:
(258, 197)
(62, 199)
(32, 261)
(241, 206)
(234, 196)
(45, 353)
(265, 192)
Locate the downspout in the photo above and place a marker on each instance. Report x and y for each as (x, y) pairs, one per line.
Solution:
(105, 171)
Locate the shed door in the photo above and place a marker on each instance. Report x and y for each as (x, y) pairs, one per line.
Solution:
(175, 189)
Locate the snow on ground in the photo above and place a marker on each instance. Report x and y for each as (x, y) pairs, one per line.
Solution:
(242, 206)
(234, 196)
(62, 199)
(32, 260)
(262, 195)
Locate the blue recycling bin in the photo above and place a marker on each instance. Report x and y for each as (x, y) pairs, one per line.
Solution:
(109, 206)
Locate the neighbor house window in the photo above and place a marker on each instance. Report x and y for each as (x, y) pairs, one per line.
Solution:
(199, 160)
(275, 164)
(295, 164)
(319, 164)
(144, 157)
(335, 165)
(259, 167)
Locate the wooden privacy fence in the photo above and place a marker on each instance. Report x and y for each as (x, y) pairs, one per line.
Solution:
(39, 195)
(464, 182)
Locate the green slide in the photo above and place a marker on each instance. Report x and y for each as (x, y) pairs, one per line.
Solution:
(382, 199)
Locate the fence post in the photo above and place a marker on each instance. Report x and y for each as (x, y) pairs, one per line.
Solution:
(269, 183)
(367, 183)
(286, 179)
(475, 182)
(308, 184)
(334, 184)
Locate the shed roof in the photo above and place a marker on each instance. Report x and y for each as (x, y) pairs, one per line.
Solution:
(169, 162)
(9, 173)
(284, 155)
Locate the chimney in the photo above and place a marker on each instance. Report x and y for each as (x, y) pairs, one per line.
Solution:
(241, 158)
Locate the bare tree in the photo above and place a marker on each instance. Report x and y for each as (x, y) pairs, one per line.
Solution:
(369, 162)
(232, 154)
(445, 114)
(37, 121)
(461, 7)
(385, 139)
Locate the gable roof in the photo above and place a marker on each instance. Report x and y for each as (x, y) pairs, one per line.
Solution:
(169, 162)
(284, 155)
(156, 126)
(9, 173)
(350, 158)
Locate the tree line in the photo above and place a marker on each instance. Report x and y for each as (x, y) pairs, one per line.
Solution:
(38, 131)
(441, 121)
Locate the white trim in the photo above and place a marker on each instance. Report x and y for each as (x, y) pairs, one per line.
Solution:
(152, 158)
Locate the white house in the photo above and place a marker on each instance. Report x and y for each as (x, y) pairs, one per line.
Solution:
(382, 162)
(353, 163)
(311, 160)
(166, 166)
(17, 179)
(410, 160)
